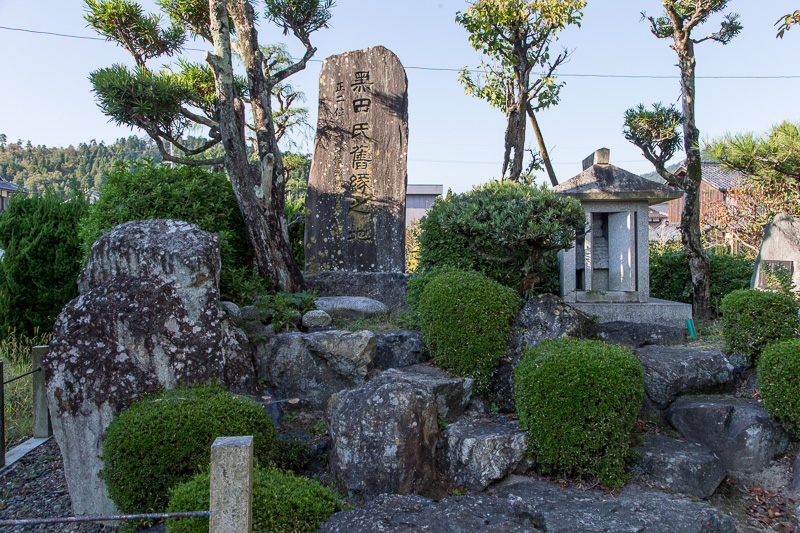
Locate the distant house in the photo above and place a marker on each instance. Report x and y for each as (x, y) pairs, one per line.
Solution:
(714, 188)
(6, 189)
(420, 198)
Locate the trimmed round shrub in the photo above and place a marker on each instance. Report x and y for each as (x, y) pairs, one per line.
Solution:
(578, 401)
(144, 190)
(752, 319)
(779, 383)
(465, 319)
(670, 278)
(282, 503)
(508, 231)
(166, 438)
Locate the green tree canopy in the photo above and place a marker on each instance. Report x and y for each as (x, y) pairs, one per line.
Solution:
(516, 36)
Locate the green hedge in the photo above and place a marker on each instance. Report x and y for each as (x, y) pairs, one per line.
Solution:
(779, 383)
(670, 278)
(465, 319)
(42, 259)
(143, 190)
(578, 401)
(164, 439)
(508, 231)
(752, 319)
(282, 503)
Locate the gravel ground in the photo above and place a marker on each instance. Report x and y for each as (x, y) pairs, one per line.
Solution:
(35, 487)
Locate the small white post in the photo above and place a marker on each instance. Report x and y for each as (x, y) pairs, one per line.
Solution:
(42, 427)
(231, 485)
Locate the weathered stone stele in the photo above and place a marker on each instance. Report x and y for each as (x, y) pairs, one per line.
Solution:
(355, 208)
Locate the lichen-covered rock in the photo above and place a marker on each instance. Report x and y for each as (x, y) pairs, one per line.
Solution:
(398, 349)
(480, 450)
(384, 433)
(534, 505)
(542, 317)
(313, 366)
(739, 432)
(685, 467)
(672, 372)
(636, 335)
(147, 318)
(351, 307)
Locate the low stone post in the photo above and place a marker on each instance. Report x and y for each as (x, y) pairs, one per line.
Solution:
(231, 485)
(41, 416)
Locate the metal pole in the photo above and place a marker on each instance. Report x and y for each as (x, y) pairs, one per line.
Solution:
(42, 428)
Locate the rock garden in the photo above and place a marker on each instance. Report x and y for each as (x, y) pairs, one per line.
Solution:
(487, 413)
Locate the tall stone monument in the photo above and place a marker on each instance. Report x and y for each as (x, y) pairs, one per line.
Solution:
(355, 208)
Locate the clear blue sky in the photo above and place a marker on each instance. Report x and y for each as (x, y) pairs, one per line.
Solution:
(454, 139)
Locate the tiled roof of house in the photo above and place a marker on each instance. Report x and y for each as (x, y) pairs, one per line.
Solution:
(715, 175)
(718, 177)
(7, 185)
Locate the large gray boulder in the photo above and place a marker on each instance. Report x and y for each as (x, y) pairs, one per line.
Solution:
(534, 505)
(400, 348)
(685, 467)
(542, 317)
(780, 247)
(673, 372)
(384, 433)
(147, 318)
(739, 432)
(313, 366)
(481, 450)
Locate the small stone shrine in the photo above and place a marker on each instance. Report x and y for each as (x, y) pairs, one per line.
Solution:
(779, 250)
(607, 272)
(355, 208)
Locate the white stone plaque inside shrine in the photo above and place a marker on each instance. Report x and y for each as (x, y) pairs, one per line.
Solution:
(355, 208)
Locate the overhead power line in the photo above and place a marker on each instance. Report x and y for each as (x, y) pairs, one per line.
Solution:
(442, 69)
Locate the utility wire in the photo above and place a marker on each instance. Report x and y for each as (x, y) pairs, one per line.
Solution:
(439, 69)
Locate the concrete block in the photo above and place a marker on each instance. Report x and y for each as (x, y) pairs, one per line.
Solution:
(231, 485)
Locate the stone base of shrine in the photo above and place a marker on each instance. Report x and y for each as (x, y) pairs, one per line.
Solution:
(655, 311)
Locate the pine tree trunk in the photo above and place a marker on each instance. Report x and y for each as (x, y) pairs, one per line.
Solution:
(258, 187)
(699, 264)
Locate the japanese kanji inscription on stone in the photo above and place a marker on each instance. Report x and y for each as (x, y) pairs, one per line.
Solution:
(355, 208)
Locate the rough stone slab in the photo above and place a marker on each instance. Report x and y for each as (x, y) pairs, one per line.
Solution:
(635, 335)
(636, 509)
(231, 479)
(388, 288)
(313, 366)
(532, 505)
(351, 307)
(398, 349)
(481, 450)
(357, 184)
(685, 467)
(739, 432)
(672, 372)
(384, 433)
(391, 513)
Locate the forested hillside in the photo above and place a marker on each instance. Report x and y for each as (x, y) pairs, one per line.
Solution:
(36, 167)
